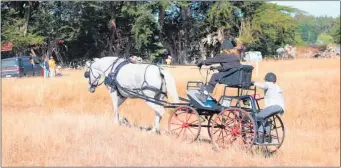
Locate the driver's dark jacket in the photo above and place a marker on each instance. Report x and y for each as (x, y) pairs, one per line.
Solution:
(227, 61)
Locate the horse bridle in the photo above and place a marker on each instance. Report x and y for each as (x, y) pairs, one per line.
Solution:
(87, 74)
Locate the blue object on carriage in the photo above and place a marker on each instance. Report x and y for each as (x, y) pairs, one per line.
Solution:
(208, 105)
(209, 102)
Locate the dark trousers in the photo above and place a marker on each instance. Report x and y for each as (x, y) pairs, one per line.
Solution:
(213, 81)
(263, 124)
(269, 111)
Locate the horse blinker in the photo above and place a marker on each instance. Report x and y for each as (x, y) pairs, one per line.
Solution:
(86, 74)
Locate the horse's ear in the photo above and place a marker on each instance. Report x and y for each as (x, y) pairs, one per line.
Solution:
(87, 64)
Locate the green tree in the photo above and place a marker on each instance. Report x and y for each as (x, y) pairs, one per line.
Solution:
(324, 39)
(14, 28)
(335, 32)
(273, 27)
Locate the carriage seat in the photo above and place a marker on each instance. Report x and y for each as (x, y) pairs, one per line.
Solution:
(238, 77)
(268, 112)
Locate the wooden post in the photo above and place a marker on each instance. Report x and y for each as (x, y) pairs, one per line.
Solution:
(257, 68)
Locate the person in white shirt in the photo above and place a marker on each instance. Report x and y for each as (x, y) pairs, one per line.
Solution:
(273, 101)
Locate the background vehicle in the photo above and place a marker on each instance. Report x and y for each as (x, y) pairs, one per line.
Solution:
(20, 66)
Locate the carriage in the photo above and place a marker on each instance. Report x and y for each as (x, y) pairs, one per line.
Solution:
(230, 120)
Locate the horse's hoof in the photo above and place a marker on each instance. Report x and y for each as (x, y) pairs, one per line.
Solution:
(154, 131)
(124, 121)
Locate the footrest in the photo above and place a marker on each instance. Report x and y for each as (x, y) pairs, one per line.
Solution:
(192, 94)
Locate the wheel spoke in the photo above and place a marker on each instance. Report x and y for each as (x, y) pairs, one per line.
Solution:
(186, 114)
(180, 132)
(219, 136)
(223, 136)
(227, 133)
(216, 131)
(189, 117)
(176, 129)
(245, 132)
(216, 123)
(231, 139)
(229, 115)
(175, 123)
(231, 121)
(193, 122)
(184, 134)
(178, 118)
(191, 130)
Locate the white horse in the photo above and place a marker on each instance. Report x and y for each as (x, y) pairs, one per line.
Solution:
(280, 53)
(133, 76)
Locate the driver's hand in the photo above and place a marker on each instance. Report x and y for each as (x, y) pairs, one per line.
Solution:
(213, 68)
(199, 64)
(219, 68)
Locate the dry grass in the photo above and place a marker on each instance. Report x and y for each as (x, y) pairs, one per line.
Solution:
(57, 122)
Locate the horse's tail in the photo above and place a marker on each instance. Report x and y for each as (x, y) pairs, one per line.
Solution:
(170, 86)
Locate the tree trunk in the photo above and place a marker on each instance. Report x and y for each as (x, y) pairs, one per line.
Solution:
(202, 50)
(184, 51)
(109, 41)
(27, 17)
(163, 39)
(161, 16)
(49, 48)
(127, 48)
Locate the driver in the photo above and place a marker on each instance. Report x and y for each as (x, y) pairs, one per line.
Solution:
(227, 60)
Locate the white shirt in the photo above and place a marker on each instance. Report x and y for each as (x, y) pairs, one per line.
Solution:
(273, 94)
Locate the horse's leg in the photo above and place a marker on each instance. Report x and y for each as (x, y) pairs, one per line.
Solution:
(159, 111)
(116, 101)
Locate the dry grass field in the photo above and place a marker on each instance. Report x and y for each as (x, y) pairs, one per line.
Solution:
(57, 122)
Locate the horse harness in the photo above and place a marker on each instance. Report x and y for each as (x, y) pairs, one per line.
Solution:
(87, 75)
(111, 80)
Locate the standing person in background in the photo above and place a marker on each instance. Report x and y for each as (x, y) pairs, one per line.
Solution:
(45, 66)
(52, 67)
(242, 51)
(169, 60)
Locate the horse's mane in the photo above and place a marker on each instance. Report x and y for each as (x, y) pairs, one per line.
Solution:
(97, 61)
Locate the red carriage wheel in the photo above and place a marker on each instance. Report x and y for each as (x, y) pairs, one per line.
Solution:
(184, 123)
(233, 125)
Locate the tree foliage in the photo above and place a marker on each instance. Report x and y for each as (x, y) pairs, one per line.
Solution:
(188, 30)
(311, 27)
(324, 39)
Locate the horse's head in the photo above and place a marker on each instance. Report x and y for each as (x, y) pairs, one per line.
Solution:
(93, 75)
